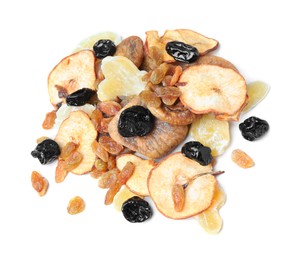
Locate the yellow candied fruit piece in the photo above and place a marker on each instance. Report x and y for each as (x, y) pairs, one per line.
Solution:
(211, 132)
(210, 219)
(89, 42)
(123, 195)
(122, 78)
(256, 91)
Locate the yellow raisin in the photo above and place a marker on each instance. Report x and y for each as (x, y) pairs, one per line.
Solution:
(67, 150)
(49, 120)
(73, 161)
(76, 205)
(39, 183)
(242, 159)
(178, 196)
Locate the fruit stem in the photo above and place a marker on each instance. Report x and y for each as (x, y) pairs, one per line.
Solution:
(199, 175)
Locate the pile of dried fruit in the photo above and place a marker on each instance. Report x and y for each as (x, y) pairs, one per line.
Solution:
(122, 106)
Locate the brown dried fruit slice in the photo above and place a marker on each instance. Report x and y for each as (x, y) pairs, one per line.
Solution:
(39, 183)
(74, 72)
(131, 48)
(159, 142)
(137, 183)
(242, 159)
(215, 60)
(76, 205)
(198, 193)
(79, 128)
(201, 42)
(211, 88)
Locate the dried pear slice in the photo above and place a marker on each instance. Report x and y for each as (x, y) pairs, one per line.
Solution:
(257, 91)
(137, 183)
(210, 219)
(202, 43)
(211, 88)
(74, 72)
(122, 78)
(198, 193)
(79, 128)
(211, 132)
(216, 60)
(159, 142)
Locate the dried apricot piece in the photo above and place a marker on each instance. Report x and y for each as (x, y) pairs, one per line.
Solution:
(211, 132)
(39, 183)
(76, 205)
(242, 159)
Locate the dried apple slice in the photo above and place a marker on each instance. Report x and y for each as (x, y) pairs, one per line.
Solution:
(202, 43)
(198, 193)
(211, 88)
(74, 72)
(216, 60)
(78, 128)
(137, 183)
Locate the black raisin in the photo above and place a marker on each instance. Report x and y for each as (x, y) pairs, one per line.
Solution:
(136, 210)
(46, 151)
(253, 128)
(198, 152)
(104, 48)
(80, 97)
(135, 121)
(181, 51)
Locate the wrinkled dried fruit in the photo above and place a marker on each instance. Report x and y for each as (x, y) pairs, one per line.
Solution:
(197, 152)
(112, 191)
(150, 98)
(104, 48)
(242, 159)
(76, 205)
(178, 196)
(80, 97)
(100, 151)
(135, 121)
(111, 163)
(110, 108)
(182, 52)
(39, 183)
(60, 173)
(47, 151)
(110, 145)
(49, 120)
(67, 150)
(73, 161)
(108, 178)
(126, 172)
(136, 210)
(253, 128)
(159, 73)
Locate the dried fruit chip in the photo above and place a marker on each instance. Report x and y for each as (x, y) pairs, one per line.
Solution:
(242, 159)
(123, 195)
(211, 132)
(76, 205)
(122, 78)
(79, 128)
(39, 183)
(211, 88)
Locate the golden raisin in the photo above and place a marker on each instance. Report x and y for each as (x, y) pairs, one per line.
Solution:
(96, 118)
(67, 150)
(76, 205)
(111, 163)
(100, 151)
(110, 145)
(112, 191)
(60, 173)
(242, 159)
(178, 196)
(103, 128)
(108, 178)
(49, 120)
(159, 73)
(110, 108)
(73, 161)
(126, 172)
(150, 98)
(39, 183)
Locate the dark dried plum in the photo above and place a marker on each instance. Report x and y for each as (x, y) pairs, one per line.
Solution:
(135, 121)
(80, 97)
(136, 210)
(181, 51)
(104, 48)
(253, 128)
(198, 152)
(46, 151)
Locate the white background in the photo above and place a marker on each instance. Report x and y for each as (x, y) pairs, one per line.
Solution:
(260, 216)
